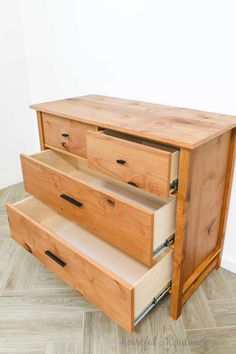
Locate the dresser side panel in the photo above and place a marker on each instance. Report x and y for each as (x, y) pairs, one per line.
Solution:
(208, 179)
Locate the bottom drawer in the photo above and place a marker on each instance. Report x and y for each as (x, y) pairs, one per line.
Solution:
(119, 285)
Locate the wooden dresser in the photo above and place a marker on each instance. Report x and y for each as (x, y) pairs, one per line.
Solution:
(130, 200)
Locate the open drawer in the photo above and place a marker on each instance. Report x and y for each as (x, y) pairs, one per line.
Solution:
(119, 285)
(141, 163)
(136, 222)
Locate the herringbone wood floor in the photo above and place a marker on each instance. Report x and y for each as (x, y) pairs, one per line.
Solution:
(41, 314)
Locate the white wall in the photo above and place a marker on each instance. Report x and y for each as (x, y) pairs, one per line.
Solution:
(174, 52)
(17, 128)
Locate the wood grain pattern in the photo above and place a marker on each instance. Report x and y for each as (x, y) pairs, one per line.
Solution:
(7, 252)
(217, 286)
(146, 167)
(23, 271)
(190, 290)
(230, 279)
(196, 313)
(100, 332)
(181, 232)
(226, 198)
(198, 271)
(206, 190)
(101, 212)
(66, 347)
(54, 127)
(224, 311)
(176, 126)
(40, 129)
(94, 282)
(198, 217)
(213, 340)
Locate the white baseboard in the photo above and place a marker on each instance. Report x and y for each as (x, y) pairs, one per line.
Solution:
(228, 263)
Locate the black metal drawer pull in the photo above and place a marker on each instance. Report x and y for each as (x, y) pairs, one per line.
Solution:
(71, 200)
(65, 135)
(27, 247)
(55, 258)
(121, 162)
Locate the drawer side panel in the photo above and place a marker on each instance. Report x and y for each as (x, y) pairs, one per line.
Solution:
(156, 279)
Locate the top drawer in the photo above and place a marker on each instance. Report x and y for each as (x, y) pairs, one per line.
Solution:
(65, 134)
(147, 165)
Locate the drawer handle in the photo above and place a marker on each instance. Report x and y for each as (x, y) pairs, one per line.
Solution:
(133, 184)
(71, 200)
(55, 258)
(121, 162)
(65, 135)
(27, 247)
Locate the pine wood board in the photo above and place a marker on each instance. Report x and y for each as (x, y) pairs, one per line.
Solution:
(176, 126)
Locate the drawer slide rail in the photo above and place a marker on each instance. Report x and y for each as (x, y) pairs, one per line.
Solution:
(169, 241)
(155, 300)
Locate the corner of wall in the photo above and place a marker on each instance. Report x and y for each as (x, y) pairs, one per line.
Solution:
(228, 263)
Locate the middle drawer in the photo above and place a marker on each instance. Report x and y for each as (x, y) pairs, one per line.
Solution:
(134, 221)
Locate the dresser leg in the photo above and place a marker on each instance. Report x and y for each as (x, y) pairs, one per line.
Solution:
(225, 205)
(180, 234)
(40, 129)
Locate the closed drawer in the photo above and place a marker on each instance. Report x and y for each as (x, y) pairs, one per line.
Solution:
(65, 134)
(147, 165)
(120, 286)
(132, 220)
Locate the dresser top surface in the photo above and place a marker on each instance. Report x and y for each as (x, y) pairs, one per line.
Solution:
(181, 127)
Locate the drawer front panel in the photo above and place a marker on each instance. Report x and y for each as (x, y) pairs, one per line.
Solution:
(139, 165)
(65, 134)
(127, 227)
(105, 290)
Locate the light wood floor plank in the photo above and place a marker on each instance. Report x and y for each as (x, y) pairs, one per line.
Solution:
(4, 228)
(50, 292)
(99, 335)
(12, 194)
(196, 312)
(213, 341)
(44, 278)
(230, 278)
(156, 333)
(63, 348)
(23, 271)
(224, 311)
(216, 287)
(43, 326)
(39, 303)
(8, 250)
(22, 347)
